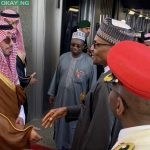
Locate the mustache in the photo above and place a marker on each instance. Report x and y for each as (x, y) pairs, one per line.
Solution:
(9, 47)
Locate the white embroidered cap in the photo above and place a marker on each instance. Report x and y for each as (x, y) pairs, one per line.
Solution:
(114, 31)
(78, 35)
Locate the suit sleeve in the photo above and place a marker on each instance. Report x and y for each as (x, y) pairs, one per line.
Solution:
(73, 113)
(24, 80)
(93, 77)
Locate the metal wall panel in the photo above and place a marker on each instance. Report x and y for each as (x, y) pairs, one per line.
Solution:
(87, 11)
(38, 39)
(52, 44)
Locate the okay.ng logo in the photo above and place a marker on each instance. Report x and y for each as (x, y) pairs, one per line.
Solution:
(14, 2)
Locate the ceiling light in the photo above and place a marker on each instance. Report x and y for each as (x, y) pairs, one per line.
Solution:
(73, 9)
(146, 17)
(131, 12)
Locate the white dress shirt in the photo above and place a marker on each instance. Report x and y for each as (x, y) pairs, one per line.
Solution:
(139, 136)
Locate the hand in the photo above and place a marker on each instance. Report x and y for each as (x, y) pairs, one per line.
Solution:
(34, 136)
(53, 115)
(20, 121)
(33, 78)
(51, 100)
(22, 55)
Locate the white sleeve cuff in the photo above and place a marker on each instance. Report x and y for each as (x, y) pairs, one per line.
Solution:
(22, 114)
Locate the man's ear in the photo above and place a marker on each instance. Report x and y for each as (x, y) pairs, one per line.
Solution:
(120, 109)
(17, 21)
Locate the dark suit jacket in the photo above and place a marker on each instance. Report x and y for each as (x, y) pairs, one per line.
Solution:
(24, 80)
(97, 128)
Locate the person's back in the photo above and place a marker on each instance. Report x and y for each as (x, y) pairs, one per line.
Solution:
(130, 95)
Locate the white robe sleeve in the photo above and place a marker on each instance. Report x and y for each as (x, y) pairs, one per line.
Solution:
(22, 114)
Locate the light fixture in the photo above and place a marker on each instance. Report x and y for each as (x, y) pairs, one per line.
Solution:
(131, 12)
(140, 15)
(146, 17)
(73, 9)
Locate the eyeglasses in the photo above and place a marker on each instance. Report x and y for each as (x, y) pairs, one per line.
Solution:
(96, 45)
(76, 45)
(8, 40)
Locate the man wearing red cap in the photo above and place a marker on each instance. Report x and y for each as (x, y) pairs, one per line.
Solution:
(13, 135)
(97, 128)
(130, 95)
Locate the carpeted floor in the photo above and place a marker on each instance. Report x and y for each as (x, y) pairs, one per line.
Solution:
(47, 142)
(39, 147)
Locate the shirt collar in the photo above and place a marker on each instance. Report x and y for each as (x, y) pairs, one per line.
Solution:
(106, 69)
(132, 130)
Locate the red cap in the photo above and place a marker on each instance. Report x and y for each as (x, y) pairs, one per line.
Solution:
(130, 63)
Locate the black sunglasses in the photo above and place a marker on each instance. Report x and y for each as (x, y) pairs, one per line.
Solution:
(76, 45)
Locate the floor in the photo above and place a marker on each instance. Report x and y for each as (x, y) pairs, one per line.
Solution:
(47, 134)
